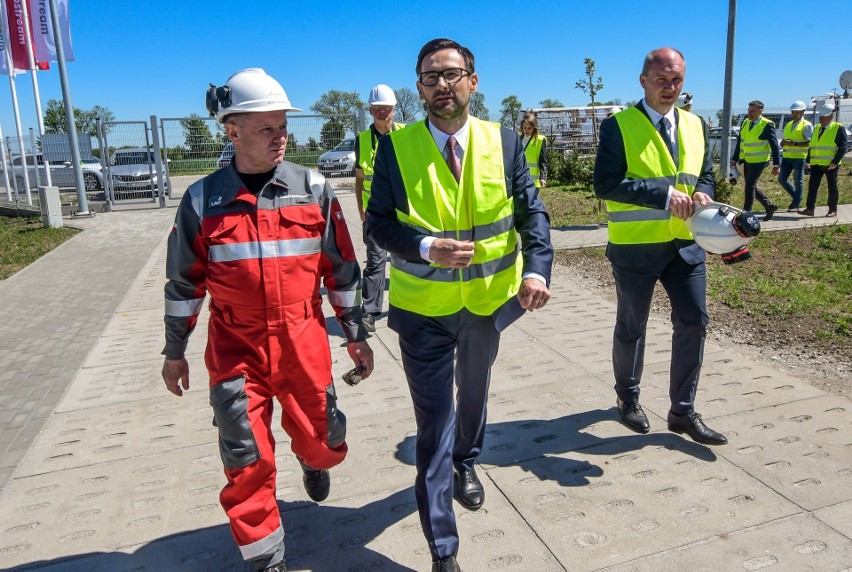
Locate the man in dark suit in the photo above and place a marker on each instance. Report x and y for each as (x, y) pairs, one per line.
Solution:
(653, 162)
(450, 195)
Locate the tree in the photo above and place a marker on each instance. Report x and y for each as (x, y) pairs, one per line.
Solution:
(84, 119)
(477, 106)
(312, 144)
(408, 105)
(197, 138)
(337, 102)
(591, 86)
(332, 133)
(550, 102)
(509, 109)
(291, 141)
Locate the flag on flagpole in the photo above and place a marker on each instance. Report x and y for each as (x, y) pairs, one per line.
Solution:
(44, 38)
(4, 35)
(17, 36)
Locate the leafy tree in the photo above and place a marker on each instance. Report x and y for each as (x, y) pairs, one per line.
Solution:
(550, 102)
(84, 119)
(591, 86)
(291, 141)
(477, 106)
(337, 102)
(312, 144)
(197, 138)
(332, 133)
(408, 105)
(509, 109)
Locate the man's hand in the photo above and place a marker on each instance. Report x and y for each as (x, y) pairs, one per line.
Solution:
(832, 166)
(451, 253)
(361, 213)
(361, 353)
(543, 184)
(775, 170)
(733, 164)
(701, 198)
(174, 371)
(533, 294)
(681, 204)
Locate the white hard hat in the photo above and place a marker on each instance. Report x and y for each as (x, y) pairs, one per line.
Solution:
(382, 95)
(722, 229)
(684, 99)
(247, 91)
(615, 109)
(797, 105)
(825, 110)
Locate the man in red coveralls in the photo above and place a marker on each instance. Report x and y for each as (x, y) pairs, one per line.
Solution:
(257, 236)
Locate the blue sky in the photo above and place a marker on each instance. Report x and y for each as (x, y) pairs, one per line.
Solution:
(157, 57)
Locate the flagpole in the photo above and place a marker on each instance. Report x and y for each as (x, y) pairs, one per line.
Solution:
(5, 168)
(30, 49)
(11, 69)
(82, 203)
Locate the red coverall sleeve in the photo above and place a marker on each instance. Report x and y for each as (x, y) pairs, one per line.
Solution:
(186, 271)
(340, 271)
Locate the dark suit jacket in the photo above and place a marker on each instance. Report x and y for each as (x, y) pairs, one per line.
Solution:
(388, 195)
(610, 184)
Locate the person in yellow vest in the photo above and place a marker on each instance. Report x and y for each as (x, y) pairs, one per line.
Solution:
(756, 143)
(826, 150)
(451, 195)
(382, 101)
(535, 149)
(653, 164)
(797, 136)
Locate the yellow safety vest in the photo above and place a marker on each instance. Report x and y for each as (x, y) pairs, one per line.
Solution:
(753, 149)
(649, 158)
(477, 208)
(532, 153)
(366, 157)
(823, 148)
(796, 132)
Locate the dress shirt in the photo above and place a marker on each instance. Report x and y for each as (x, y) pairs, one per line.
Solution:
(655, 119)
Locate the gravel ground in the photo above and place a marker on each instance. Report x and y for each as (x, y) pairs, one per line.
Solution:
(769, 343)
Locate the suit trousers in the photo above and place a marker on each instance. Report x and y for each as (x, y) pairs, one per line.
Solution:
(817, 173)
(751, 174)
(373, 280)
(686, 286)
(458, 348)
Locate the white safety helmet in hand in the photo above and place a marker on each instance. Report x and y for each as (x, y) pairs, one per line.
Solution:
(722, 229)
(382, 95)
(797, 105)
(247, 91)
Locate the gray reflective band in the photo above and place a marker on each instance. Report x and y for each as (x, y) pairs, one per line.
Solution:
(263, 546)
(821, 148)
(480, 232)
(683, 179)
(637, 216)
(533, 165)
(183, 308)
(755, 144)
(368, 177)
(435, 274)
(345, 299)
(265, 249)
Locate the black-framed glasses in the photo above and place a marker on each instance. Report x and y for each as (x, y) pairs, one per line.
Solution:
(452, 76)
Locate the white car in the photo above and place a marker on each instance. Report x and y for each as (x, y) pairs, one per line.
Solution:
(135, 170)
(338, 161)
(61, 174)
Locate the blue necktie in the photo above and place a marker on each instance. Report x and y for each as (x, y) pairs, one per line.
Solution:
(664, 133)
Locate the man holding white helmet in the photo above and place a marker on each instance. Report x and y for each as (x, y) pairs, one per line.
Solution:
(826, 150)
(797, 136)
(382, 101)
(258, 236)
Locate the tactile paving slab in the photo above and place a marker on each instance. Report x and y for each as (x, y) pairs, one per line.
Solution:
(799, 542)
(622, 500)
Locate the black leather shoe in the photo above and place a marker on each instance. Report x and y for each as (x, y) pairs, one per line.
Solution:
(471, 492)
(369, 322)
(633, 416)
(770, 210)
(276, 568)
(317, 483)
(692, 425)
(447, 564)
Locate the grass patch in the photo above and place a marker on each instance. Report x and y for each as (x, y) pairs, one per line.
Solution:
(24, 240)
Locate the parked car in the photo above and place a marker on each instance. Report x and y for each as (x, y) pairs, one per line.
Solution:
(61, 174)
(338, 161)
(134, 170)
(227, 156)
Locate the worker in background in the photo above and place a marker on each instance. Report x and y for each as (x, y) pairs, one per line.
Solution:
(382, 101)
(797, 136)
(535, 149)
(684, 101)
(826, 150)
(261, 237)
(756, 143)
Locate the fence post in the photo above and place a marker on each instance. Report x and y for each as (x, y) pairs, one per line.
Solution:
(99, 130)
(158, 161)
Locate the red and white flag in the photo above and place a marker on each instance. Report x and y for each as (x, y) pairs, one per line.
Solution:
(44, 38)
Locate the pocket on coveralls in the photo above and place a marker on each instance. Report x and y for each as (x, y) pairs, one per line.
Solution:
(336, 419)
(237, 445)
